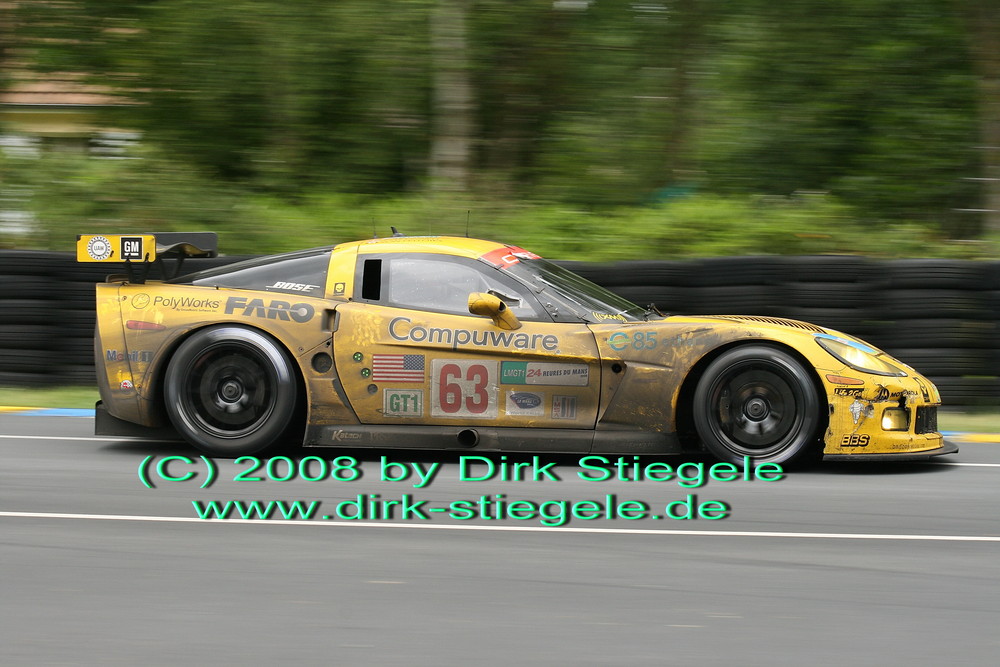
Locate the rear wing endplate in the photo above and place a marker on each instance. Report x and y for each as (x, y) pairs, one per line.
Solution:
(139, 251)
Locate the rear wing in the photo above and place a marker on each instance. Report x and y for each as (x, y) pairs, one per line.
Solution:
(146, 249)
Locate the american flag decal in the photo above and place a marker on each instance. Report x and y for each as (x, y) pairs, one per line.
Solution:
(397, 367)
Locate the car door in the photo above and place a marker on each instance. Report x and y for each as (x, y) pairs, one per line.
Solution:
(407, 349)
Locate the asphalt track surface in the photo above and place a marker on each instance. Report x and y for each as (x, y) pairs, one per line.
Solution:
(837, 565)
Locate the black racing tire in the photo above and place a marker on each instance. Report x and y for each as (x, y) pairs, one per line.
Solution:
(758, 401)
(231, 391)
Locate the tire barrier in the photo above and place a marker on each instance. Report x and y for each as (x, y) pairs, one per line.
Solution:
(940, 316)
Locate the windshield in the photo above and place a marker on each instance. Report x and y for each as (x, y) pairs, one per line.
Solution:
(562, 290)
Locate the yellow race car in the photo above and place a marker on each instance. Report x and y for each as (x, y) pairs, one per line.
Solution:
(442, 342)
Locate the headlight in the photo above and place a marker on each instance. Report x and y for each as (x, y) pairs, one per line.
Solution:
(859, 356)
(895, 419)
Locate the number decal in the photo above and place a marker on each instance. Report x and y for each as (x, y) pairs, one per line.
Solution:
(463, 388)
(450, 392)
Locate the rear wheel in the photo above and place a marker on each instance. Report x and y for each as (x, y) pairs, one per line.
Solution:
(758, 401)
(230, 391)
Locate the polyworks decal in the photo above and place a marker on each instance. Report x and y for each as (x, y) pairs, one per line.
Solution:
(541, 372)
(186, 303)
(525, 404)
(140, 301)
(273, 310)
(402, 329)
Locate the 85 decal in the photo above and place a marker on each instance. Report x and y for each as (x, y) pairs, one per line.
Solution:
(464, 388)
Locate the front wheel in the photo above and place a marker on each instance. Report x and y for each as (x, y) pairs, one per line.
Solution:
(230, 391)
(758, 401)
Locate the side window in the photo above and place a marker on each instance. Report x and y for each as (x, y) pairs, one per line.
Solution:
(444, 286)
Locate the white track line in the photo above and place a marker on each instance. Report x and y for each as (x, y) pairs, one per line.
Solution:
(512, 529)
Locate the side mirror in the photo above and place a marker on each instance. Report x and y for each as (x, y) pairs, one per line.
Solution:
(492, 307)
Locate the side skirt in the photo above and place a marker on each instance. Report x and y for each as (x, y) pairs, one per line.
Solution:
(502, 439)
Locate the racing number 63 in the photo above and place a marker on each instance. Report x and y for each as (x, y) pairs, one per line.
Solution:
(464, 389)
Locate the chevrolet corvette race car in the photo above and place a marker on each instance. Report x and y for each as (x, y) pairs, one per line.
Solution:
(442, 342)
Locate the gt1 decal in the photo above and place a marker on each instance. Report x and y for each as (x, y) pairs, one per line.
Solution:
(401, 329)
(637, 340)
(292, 287)
(461, 388)
(540, 372)
(274, 310)
(525, 404)
(564, 407)
(403, 403)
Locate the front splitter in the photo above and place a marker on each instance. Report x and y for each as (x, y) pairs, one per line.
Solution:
(946, 448)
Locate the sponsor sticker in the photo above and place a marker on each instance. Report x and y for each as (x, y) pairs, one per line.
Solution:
(186, 303)
(140, 301)
(292, 287)
(135, 356)
(564, 407)
(397, 368)
(99, 248)
(403, 403)
(131, 248)
(403, 330)
(545, 373)
(525, 404)
(272, 310)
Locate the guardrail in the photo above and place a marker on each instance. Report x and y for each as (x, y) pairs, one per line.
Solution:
(940, 316)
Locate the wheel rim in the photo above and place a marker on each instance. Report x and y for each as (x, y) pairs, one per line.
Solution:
(756, 408)
(230, 390)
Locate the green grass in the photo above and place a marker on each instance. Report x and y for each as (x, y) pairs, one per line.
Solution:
(59, 397)
(971, 421)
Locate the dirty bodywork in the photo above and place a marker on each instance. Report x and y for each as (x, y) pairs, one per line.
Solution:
(444, 342)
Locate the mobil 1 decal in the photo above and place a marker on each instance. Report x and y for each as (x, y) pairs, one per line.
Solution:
(464, 388)
(541, 372)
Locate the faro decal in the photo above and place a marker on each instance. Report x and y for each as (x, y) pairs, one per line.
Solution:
(274, 310)
(401, 329)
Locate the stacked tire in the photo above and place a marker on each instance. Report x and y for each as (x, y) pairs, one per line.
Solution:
(32, 327)
(832, 291)
(738, 286)
(664, 285)
(940, 318)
